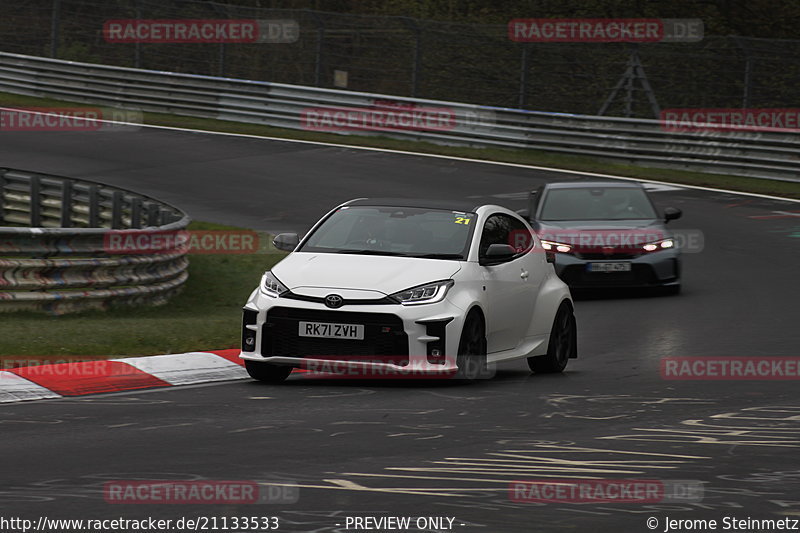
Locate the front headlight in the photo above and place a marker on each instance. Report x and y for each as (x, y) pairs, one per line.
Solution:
(658, 245)
(557, 246)
(271, 285)
(424, 294)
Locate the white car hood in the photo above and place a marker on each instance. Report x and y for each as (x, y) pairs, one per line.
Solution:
(361, 272)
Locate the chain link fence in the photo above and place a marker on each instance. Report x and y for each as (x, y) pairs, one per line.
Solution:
(426, 59)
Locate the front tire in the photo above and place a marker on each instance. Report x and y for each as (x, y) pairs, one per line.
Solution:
(471, 357)
(562, 345)
(266, 372)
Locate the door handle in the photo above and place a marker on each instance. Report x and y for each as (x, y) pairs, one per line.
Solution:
(524, 274)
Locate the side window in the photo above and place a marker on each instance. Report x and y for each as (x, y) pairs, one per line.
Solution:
(504, 229)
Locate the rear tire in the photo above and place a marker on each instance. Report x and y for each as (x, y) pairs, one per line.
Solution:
(562, 345)
(266, 372)
(471, 357)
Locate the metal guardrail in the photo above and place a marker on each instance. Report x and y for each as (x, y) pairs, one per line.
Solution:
(56, 257)
(759, 154)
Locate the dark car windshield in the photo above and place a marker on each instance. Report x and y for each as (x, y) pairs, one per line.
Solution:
(597, 203)
(398, 231)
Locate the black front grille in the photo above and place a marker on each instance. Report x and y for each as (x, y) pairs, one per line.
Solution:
(578, 276)
(601, 255)
(351, 301)
(385, 339)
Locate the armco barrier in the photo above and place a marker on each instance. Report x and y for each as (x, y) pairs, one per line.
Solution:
(53, 252)
(760, 154)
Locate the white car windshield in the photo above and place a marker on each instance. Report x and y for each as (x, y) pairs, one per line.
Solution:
(597, 203)
(400, 231)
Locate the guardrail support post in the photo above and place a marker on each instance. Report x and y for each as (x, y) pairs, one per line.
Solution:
(2, 194)
(66, 204)
(116, 210)
(136, 213)
(36, 205)
(152, 214)
(94, 206)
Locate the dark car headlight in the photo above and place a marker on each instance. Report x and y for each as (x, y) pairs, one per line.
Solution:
(424, 294)
(552, 246)
(663, 244)
(272, 286)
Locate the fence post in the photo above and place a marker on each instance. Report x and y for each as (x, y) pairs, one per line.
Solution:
(137, 46)
(320, 46)
(55, 23)
(748, 72)
(523, 75)
(416, 62)
(221, 70)
(222, 49)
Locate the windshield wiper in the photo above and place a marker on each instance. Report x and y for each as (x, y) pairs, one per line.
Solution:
(439, 256)
(371, 252)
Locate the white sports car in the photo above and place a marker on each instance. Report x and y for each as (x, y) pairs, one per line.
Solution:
(409, 288)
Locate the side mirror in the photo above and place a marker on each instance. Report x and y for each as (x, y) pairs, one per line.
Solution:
(286, 241)
(532, 199)
(497, 253)
(671, 213)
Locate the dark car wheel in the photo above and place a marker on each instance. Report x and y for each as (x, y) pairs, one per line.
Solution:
(471, 358)
(562, 346)
(267, 372)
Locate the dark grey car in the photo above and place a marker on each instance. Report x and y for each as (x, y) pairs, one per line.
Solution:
(606, 234)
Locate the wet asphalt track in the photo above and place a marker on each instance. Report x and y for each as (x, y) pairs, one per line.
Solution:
(427, 449)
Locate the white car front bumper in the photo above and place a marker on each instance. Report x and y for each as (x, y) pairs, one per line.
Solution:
(425, 337)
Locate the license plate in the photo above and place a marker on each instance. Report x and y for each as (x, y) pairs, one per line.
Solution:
(608, 267)
(326, 330)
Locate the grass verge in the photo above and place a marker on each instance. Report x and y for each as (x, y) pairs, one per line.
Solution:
(205, 315)
(526, 157)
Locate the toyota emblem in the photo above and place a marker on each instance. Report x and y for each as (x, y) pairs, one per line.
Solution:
(334, 301)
